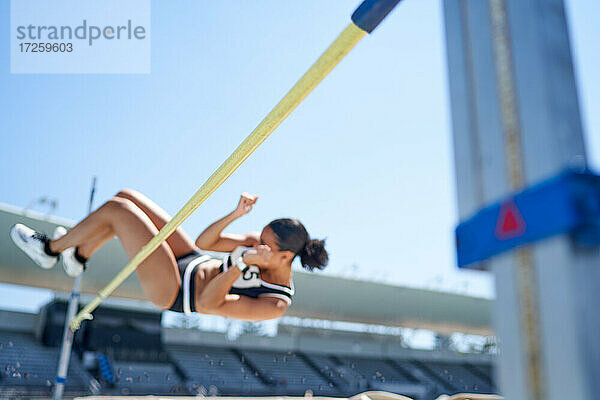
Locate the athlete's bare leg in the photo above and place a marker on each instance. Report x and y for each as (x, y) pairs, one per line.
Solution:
(179, 241)
(158, 274)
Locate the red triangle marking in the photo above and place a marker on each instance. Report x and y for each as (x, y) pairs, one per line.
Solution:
(510, 223)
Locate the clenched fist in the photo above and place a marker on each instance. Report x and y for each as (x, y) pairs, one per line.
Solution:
(247, 200)
(259, 255)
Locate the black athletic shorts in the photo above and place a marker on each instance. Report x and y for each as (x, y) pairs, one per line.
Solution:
(188, 265)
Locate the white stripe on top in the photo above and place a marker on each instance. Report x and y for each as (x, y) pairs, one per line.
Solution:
(279, 296)
(279, 287)
(186, 282)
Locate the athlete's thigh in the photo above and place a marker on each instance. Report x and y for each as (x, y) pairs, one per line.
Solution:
(158, 274)
(180, 243)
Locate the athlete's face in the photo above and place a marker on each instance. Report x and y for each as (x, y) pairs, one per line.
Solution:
(269, 239)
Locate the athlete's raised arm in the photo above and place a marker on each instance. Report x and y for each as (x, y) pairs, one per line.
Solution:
(213, 238)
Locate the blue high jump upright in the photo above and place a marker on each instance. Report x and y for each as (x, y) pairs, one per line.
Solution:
(529, 208)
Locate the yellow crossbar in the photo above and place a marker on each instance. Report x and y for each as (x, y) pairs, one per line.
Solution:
(329, 59)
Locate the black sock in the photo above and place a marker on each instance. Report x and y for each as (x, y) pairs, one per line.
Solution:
(47, 248)
(79, 257)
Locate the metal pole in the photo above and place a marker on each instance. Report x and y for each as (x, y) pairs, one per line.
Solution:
(67, 342)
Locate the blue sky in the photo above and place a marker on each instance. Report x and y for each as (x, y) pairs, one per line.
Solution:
(365, 161)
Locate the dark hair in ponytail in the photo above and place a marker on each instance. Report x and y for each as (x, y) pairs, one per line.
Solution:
(313, 255)
(292, 236)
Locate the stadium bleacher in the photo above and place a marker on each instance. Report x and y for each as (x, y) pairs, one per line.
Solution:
(358, 374)
(29, 368)
(455, 377)
(373, 370)
(289, 373)
(124, 359)
(213, 367)
(142, 378)
(329, 368)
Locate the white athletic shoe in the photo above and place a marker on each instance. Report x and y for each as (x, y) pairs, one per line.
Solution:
(59, 232)
(33, 244)
(72, 266)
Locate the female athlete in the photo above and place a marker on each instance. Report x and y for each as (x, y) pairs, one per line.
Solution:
(253, 282)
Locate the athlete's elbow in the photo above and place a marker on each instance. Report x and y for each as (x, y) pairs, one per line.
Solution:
(200, 242)
(203, 244)
(207, 306)
(279, 309)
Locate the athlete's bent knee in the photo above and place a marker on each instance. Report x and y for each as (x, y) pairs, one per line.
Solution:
(120, 204)
(128, 194)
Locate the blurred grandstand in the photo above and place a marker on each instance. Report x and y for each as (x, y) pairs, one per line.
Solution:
(127, 350)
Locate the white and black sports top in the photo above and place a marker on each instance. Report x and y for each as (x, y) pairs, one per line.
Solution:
(250, 284)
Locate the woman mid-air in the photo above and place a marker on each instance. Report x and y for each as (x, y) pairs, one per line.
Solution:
(253, 282)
